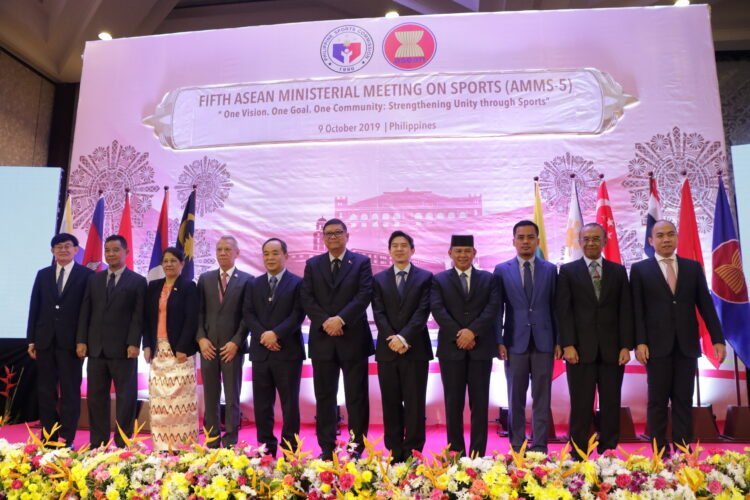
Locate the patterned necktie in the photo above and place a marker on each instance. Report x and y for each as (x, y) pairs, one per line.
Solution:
(671, 276)
(465, 283)
(335, 267)
(596, 278)
(272, 282)
(401, 285)
(223, 286)
(110, 286)
(60, 281)
(528, 282)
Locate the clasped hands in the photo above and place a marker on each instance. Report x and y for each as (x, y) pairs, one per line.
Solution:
(334, 326)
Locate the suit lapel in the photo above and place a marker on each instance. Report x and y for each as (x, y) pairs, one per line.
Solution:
(280, 286)
(410, 279)
(231, 285)
(324, 263)
(346, 267)
(584, 275)
(659, 274)
(473, 282)
(608, 277)
(515, 276)
(453, 277)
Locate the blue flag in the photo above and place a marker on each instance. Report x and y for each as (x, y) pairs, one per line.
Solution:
(185, 237)
(728, 286)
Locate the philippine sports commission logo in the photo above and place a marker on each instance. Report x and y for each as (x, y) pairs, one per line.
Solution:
(347, 49)
(409, 46)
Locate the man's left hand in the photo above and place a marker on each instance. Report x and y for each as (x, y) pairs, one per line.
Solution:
(228, 351)
(133, 351)
(624, 356)
(333, 326)
(720, 351)
(465, 339)
(558, 352)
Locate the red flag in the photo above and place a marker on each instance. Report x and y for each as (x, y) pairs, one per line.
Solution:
(607, 220)
(92, 255)
(689, 247)
(126, 230)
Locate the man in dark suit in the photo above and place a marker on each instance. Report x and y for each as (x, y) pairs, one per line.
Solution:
(401, 306)
(464, 302)
(109, 332)
(594, 312)
(222, 336)
(274, 314)
(666, 291)
(529, 335)
(336, 291)
(53, 321)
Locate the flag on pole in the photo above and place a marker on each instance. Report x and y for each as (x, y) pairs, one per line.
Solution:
(689, 247)
(541, 250)
(185, 236)
(605, 217)
(161, 241)
(728, 285)
(66, 226)
(653, 215)
(126, 230)
(92, 256)
(573, 249)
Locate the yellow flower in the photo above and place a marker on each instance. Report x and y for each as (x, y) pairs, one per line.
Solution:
(240, 462)
(280, 463)
(462, 476)
(113, 494)
(120, 481)
(442, 481)
(62, 486)
(24, 468)
(325, 488)
(367, 476)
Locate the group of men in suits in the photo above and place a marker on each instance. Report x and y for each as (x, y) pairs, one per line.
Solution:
(524, 313)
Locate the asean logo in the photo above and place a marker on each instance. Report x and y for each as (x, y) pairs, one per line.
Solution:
(728, 280)
(347, 49)
(409, 46)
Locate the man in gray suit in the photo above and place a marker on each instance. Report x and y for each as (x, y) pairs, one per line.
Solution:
(221, 337)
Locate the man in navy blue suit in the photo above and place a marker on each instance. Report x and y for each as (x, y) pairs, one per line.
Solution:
(401, 306)
(53, 321)
(464, 302)
(529, 335)
(336, 290)
(274, 314)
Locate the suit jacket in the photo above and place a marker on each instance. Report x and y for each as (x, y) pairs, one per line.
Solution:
(347, 297)
(453, 311)
(53, 318)
(520, 314)
(406, 317)
(182, 315)
(594, 326)
(281, 314)
(108, 327)
(663, 318)
(222, 321)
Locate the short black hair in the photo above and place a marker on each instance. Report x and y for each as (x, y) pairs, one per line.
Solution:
(117, 237)
(333, 222)
(269, 240)
(523, 223)
(174, 251)
(592, 225)
(62, 238)
(400, 234)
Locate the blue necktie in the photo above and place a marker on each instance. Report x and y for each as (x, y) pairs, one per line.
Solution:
(528, 284)
(60, 281)
(401, 285)
(465, 283)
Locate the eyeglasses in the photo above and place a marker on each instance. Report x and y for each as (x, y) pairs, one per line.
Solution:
(595, 239)
(333, 234)
(64, 246)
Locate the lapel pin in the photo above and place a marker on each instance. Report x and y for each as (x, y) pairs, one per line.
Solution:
(349, 261)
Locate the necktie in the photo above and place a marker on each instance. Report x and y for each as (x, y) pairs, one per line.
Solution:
(528, 283)
(272, 284)
(596, 278)
(465, 283)
(110, 286)
(60, 281)
(335, 266)
(223, 286)
(401, 285)
(671, 276)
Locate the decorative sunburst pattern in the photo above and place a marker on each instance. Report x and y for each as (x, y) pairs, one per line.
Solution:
(555, 182)
(203, 258)
(111, 169)
(631, 246)
(213, 183)
(667, 156)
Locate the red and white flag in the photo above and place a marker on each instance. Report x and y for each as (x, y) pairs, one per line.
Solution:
(607, 220)
(126, 231)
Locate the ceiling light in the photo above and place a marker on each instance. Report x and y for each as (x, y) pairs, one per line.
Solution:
(681, 3)
(391, 14)
(104, 35)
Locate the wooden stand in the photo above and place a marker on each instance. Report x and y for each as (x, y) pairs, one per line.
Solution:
(737, 425)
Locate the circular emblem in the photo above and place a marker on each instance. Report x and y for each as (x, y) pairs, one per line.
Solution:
(409, 46)
(347, 49)
(728, 281)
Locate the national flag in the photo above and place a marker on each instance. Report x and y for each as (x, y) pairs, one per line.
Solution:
(161, 241)
(605, 217)
(689, 247)
(541, 250)
(66, 226)
(185, 236)
(728, 285)
(92, 256)
(573, 249)
(126, 230)
(653, 214)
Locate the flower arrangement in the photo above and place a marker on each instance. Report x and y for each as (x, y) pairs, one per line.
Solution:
(40, 470)
(8, 392)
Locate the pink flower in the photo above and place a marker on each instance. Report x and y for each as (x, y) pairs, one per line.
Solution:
(706, 468)
(715, 487)
(346, 481)
(126, 454)
(17, 484)
(436, 494)
(471, 473)
(289, 480)
(313, 495)
(622, 480)
(36, 461)
(416, 454)
(326, 477)
(30, 449)
(266, 460)
(521, 473)
(242, 480)
(605, 487)
(660, 483)
(540, 472)
(610, 453)
(479, 487)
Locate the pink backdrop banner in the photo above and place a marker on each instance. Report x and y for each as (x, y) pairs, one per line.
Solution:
(433, 125)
